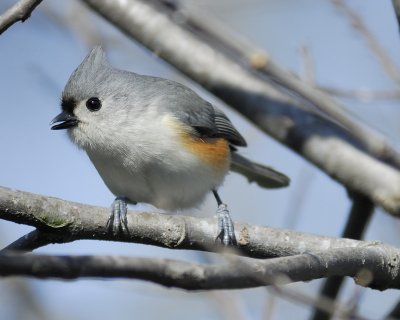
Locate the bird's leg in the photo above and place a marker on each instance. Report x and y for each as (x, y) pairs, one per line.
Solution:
(226, 230)
(117, 221)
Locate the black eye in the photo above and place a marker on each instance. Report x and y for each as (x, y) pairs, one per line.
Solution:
(93, 104)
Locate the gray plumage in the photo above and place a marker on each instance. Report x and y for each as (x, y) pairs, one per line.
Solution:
(134, 139)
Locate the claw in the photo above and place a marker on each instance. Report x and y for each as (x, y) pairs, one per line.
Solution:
(225, 226)
(118, 221)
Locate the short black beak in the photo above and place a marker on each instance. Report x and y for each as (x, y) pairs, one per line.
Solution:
(66, 121)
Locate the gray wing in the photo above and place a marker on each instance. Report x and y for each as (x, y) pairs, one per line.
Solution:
(202, 116)
(209, 121)
(226, 129)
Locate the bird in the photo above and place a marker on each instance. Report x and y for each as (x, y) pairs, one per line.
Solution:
(154, 140)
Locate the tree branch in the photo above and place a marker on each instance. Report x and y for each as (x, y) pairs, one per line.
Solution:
(31, 241)
(19, 12)
(61, 221)
(323, 143)
(370, 265)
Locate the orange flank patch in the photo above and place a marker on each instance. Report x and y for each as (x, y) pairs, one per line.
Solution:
(214, 151)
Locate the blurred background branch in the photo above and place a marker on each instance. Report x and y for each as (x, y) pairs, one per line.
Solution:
(396, 7)
(18, 12)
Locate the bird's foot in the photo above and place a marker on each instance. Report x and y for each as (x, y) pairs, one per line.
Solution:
(226, 230)
(118, 222)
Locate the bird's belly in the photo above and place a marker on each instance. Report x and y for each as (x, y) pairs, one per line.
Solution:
(174, 181)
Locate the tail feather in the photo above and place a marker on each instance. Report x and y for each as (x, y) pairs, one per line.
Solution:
(264, 176)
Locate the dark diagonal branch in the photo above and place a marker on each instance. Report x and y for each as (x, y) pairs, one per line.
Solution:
(326, 145)
(31, 241)
(396, 7)
(19, 12)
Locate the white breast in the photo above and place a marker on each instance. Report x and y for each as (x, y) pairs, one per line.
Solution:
(148, 163)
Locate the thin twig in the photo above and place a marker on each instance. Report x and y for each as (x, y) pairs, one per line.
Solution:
(18, 12)
(362, 94)
(357, 22)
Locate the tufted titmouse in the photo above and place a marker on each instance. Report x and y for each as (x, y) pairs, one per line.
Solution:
(153, 140)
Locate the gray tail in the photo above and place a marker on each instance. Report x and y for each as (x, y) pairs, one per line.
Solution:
(264, 176)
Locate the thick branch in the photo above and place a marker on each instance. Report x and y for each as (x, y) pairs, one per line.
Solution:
(372, 266)
(62, 221)
(19, 12)
(318, 140)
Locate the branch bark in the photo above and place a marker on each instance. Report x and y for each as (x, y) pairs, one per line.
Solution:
(369, 265)
(326, 145)
(300, 256)
(61, 221)
(19, 12)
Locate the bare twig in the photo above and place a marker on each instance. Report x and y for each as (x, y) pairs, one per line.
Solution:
(19, 12)
(363, 94)
(308, 68)
(341, 311)
(357, 22)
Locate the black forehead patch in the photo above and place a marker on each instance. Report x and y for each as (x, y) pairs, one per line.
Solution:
(68, 104)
